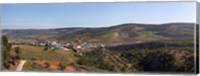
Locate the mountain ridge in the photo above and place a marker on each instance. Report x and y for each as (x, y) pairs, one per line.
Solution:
(121, 33)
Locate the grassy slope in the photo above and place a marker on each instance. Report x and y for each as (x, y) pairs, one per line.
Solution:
(32, 52)
(149, 36)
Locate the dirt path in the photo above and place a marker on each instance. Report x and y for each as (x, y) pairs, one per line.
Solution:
(20, 66)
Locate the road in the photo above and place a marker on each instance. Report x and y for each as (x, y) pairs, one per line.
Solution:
(20, 66)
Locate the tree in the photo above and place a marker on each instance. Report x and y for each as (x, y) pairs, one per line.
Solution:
(5, 51)
(4, 40)
(158, 61)
(45, 48)
(18, 52)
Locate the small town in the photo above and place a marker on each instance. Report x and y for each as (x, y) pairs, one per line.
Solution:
(60, 45)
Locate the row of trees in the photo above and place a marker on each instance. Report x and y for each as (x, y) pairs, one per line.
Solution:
(161, 60)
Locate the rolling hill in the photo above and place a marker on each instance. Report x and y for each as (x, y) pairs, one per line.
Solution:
(119, 33)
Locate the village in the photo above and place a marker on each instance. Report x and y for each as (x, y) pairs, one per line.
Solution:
(60, 45)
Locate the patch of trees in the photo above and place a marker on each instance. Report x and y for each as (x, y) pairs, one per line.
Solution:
(95, 59)
(6, 47)
(148, 45)
(178, 35)
(95, 62)
(7, 58)
(141, 59)
(160, 60)
(29, 66)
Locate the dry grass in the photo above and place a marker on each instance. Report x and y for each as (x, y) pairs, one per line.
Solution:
(37, 53)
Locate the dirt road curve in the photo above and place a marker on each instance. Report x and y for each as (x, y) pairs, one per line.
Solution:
(20, 66)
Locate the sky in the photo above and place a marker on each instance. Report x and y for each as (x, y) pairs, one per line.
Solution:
(44, 16)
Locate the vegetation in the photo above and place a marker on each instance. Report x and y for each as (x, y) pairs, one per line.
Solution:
(149, 35)
(18, 52)
(132, 48)
(97, 62)
(6, 51)
(170, 59)
(28, 66)
(37, 53)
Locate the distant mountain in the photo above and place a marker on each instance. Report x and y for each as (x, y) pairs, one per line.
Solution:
(129, 32)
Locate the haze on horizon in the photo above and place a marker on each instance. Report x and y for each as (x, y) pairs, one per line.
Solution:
(43, 16)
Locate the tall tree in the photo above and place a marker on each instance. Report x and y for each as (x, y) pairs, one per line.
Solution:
(5, 51)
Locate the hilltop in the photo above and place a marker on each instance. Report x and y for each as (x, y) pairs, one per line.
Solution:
(122, 33)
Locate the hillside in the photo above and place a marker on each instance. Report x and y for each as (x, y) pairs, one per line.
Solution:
(134, 48)
(120, 33)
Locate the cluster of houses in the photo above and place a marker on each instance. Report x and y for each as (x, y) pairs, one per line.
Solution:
(61, 45)
(67, 46)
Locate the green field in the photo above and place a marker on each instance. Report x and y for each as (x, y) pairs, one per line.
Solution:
(148, 35)
(37, 53)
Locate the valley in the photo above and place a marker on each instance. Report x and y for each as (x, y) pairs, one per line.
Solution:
(123, 48)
